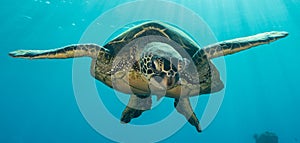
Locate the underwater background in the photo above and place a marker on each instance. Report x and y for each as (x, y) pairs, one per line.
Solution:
(37, 102)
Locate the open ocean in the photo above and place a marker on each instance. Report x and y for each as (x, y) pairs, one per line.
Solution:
(37, 102)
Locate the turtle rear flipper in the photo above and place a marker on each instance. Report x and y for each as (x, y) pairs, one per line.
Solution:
(239, 44)
(71, 51)
(183, 106)
(136, 106)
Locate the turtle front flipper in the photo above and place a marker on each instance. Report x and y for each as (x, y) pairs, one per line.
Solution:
(71, 51)
(136, 106)
(183, 106)
(239, 44)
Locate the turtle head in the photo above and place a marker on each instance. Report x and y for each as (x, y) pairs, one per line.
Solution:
(162, 72)
(161, 64)
(167, 70)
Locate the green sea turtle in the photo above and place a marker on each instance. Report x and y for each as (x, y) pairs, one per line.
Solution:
(155, 58)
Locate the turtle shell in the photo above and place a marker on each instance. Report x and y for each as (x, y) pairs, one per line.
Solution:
(200, 74)
(154, 28)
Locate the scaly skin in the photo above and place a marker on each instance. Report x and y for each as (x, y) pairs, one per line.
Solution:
(239, 44)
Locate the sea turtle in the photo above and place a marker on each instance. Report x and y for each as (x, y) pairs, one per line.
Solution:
(155, 58)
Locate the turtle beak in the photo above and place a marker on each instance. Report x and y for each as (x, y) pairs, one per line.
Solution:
(158, 82)
(156, 87)
(163, 82)
(169, 82)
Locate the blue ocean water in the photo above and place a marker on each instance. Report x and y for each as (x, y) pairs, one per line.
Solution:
(37, 102)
